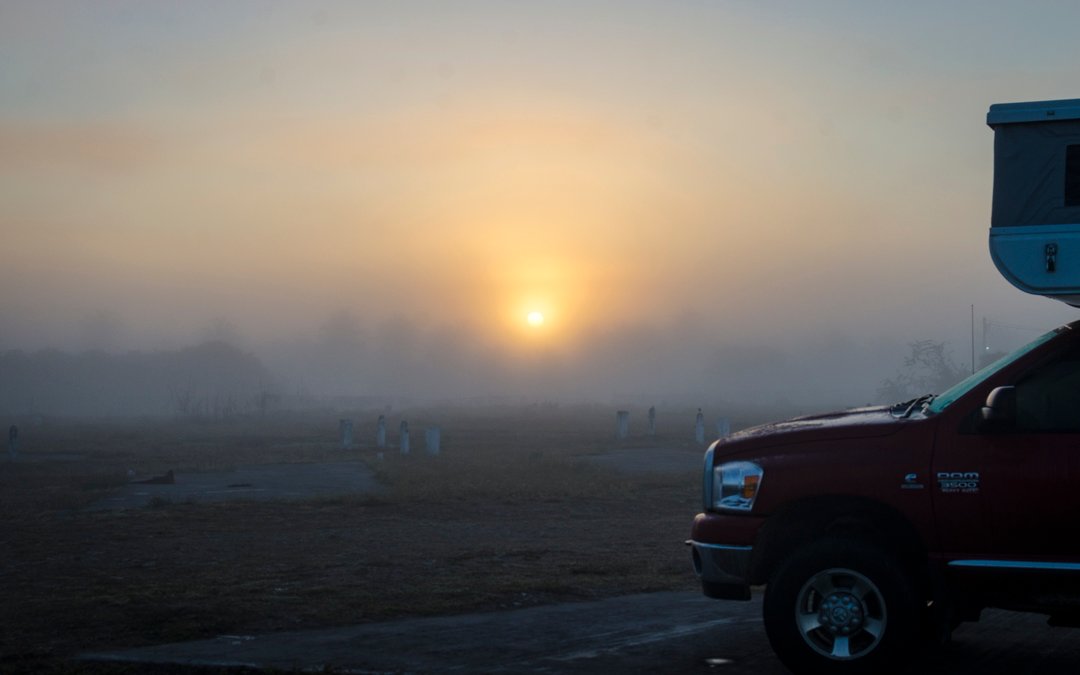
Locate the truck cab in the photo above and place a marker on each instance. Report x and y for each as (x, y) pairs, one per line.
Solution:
(871, 527)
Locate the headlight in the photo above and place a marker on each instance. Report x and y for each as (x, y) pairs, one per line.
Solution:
(735, 485)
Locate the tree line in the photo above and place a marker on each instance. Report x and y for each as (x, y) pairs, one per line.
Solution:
(210, 380)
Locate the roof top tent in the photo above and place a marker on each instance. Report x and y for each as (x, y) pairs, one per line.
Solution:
(1035, 222)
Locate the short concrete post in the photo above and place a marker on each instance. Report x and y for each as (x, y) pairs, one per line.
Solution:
(699, 428)
(723, 427)
(622, 423)
(380, 432)
(403, 443)
(13, 442)
(431, 440)
(652, 420)
(345, 431)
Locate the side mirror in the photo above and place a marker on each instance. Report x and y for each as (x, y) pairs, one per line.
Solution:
(1000, 410)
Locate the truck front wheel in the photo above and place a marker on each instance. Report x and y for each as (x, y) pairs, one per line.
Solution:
(840, 606)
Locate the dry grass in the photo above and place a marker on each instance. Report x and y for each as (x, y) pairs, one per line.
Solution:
(510, 515)
(486, 476)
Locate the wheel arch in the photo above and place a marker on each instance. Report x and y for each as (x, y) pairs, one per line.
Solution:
(860, 518)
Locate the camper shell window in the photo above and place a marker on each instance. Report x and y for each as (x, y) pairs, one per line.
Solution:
(1036, 163)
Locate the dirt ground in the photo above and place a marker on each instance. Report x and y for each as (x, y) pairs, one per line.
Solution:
(524, 507)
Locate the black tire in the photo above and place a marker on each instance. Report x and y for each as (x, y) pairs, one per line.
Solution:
(841, 606)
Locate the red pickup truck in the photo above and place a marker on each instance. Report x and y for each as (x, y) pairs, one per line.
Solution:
(872, 527)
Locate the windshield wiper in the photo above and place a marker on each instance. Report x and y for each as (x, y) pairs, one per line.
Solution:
(910, 406)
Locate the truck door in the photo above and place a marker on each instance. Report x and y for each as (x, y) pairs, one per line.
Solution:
(1012, 495)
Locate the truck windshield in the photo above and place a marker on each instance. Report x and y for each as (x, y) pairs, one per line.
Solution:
(968, 383)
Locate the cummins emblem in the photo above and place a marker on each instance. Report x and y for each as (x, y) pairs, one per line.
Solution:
(966, 482)
(911, 482)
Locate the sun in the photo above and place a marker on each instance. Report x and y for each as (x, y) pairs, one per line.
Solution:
(535, 318)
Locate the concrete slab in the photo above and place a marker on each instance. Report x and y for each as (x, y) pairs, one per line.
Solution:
(264, 482)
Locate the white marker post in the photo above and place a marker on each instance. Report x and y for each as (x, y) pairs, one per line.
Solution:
(13, 442)
(431, 440)
(345, 431)
(403, 444)
(723, 427)
(622, 423)
(699, 428)
(652, 420)
(380, 432)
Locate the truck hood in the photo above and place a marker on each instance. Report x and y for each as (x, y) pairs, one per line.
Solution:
(854, 423)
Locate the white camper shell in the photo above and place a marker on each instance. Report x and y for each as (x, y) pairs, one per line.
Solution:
(1035, 222)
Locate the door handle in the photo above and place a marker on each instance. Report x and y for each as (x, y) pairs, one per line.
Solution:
(1051, 258)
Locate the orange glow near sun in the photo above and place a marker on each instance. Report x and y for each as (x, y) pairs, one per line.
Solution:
(535, 318)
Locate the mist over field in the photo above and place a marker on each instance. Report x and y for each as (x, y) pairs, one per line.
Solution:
(345, 364)
(370, 200)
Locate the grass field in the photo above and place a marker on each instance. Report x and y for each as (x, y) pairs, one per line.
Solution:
(511, 514)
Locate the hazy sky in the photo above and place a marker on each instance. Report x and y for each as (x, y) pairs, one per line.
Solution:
(728, 173)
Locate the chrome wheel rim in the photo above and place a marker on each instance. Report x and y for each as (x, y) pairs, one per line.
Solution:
(841, 614)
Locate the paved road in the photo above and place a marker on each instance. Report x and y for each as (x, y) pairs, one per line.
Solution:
(656, 632)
